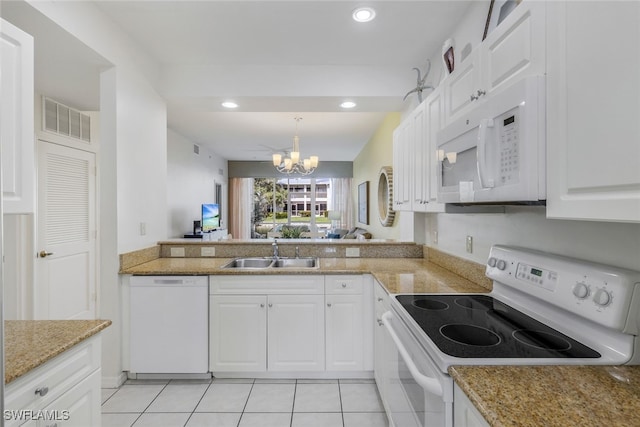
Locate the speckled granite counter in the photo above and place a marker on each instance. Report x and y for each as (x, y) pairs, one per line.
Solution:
(30, 343)
(398, 275)
(553, 396)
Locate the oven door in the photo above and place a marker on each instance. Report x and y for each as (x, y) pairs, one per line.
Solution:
(418, 394)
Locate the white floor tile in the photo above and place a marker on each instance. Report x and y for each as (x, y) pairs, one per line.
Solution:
(132, 398)
(275, 381)
(325, 419)
(265, 420)
(318, 381)
(224, 398)
(118, 420)
(317, 398)
(107, 393)
(360, 398)
(208, 419)
(162, 420)
(178, 398)
(234, 380)
(365, 419)
(271, 398)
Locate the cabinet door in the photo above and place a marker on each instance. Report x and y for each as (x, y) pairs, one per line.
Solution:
(238, 333)
(461, 85)
(515, 49)
(434, 120)
(593, 132)
(464, 413)
(16, 119)
(296, 333)
(78, 407)
(344, 333)
(419, 159)
(402, 167)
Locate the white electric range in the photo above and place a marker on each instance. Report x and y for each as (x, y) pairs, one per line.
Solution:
(544, 309)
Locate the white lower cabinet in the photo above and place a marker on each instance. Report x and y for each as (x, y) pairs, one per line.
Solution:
(238, 327)
(64, 391)
(281, 329)
(383, 346)
(464, 413)
(344, 323)
(295, 333)
(290, 324)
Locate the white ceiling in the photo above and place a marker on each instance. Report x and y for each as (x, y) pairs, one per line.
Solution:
(276, 59)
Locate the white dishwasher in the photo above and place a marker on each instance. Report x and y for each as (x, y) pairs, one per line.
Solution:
(169, 325)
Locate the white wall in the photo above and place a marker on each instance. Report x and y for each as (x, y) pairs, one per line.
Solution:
(611, 243)
(190, 182)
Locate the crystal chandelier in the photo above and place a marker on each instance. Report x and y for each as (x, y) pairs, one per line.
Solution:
(293, 164)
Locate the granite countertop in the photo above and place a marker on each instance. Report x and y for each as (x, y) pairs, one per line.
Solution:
(553, 396)
(30, 343)
(397, 275)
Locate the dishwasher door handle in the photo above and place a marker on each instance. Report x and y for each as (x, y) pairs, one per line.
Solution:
(432, 385)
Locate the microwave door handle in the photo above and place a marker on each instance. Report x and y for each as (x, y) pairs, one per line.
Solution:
(432, 385)
(484, 126)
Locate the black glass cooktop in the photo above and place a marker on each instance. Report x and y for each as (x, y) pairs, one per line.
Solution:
(478, 326)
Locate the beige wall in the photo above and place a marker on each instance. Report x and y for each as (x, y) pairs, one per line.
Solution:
(377, 153)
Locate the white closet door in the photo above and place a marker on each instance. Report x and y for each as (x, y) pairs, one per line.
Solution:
(66, 233)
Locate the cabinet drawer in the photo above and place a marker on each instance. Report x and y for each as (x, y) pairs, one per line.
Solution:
(266, 284)
(347, 284)
(58, 375)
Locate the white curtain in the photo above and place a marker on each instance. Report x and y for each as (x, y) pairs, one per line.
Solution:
(240, 207)
(342, 201)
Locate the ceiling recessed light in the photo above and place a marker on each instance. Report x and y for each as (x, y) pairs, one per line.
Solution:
(348, 104)
(229, 104)
(364, 14)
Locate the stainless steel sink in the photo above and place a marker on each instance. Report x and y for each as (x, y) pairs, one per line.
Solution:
(249, 263)
(262, 263)
(306, 262)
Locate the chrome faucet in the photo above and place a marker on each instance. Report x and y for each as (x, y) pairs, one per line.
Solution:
(276, 251)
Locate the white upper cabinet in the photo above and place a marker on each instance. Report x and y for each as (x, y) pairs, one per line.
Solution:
(434, 121)
(513, 50)
(593, 111)
(16, 119)
(402, 167)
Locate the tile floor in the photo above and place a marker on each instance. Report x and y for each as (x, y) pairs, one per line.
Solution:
(244, 403)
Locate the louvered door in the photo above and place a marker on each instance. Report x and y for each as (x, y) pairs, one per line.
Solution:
(66, 234)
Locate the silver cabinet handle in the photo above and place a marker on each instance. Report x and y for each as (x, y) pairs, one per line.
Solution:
(261, 305)
(380, 299)
(270, 305)
(328, 304)
(42, 391)
(344, 285)
(379, 322)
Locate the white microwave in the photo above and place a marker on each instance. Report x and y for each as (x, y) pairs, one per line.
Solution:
(496, 152)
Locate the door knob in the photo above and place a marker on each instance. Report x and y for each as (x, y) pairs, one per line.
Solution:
(44, 254)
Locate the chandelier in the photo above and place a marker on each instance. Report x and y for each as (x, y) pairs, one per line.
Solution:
(293, 164)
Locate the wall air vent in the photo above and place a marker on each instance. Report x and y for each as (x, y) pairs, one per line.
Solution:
(63, 120)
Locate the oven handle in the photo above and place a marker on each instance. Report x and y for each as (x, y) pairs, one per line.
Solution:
(481, 155)
(432, 385)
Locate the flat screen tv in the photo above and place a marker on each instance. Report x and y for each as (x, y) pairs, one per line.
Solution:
(210, 217)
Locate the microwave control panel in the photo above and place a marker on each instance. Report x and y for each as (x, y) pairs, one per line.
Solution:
(509, 128)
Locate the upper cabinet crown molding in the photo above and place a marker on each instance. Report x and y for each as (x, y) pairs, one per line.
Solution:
(16, 112)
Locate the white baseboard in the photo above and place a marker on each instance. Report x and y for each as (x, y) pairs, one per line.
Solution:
(114, 382)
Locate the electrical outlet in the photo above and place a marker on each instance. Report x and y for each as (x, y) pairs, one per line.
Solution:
(330, 250)
(177, 252)
(353, 252)
(208, 251)
(470, 244)
(435, 237)
(143, 228)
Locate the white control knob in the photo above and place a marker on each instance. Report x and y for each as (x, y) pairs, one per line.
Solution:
(581, 290)
(502, 264)
(492, 262)
(602, 298)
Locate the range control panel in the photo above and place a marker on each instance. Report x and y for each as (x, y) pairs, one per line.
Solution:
(607, 295)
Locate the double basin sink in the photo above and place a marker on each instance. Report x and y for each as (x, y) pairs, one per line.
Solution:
(270, 262)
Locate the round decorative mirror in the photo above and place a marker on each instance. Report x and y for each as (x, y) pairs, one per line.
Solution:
(385, 197)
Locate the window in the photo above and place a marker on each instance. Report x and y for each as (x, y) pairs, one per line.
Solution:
(286, 207)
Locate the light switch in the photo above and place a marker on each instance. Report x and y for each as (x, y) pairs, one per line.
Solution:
(353, 252)
(177, 252)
